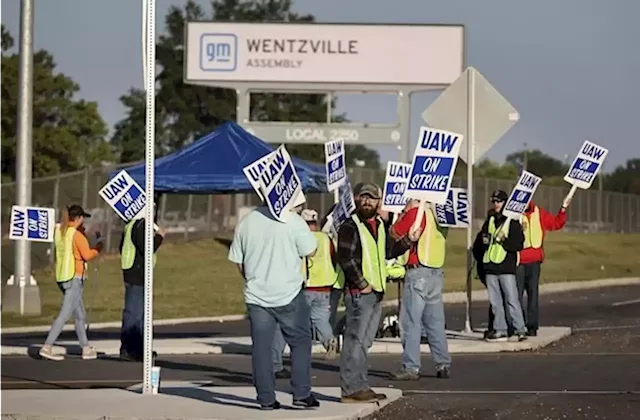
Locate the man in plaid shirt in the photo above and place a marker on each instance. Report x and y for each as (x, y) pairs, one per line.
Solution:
(364, 244)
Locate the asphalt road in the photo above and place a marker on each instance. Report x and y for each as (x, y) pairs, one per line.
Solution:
(594, 373)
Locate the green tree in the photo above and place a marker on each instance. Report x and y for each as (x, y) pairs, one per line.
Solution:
(68, 134)
(186, 112)
(539, 163)
(625, 178)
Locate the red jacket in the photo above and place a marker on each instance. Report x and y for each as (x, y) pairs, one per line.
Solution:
(548, 222)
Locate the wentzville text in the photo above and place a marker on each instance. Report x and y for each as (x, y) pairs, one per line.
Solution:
(295, 46)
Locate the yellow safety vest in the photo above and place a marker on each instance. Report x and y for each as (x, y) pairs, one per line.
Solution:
(432, 244)
(374, 267)
(396, 270)
(496, 253)
(322, 273)
(128, 255)
(532, 227)
(65, 261)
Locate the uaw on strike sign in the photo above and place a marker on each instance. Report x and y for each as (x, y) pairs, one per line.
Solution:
(434, 162)
(253, 171)
(455, 212)
(280, 184)
(335, 164)
(521, 195)
(395, 183)
(586, 165)
(32, 223)
(124, 195)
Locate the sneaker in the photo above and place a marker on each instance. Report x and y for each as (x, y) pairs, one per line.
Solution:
(309, 402)
(89, 353)
(443, 373)
(494, 336)
(532, 332)
(273, 406)
(517, 337)
(332, 349)
(366, 396)
(406, 375)
(46, 352)
(283, 374)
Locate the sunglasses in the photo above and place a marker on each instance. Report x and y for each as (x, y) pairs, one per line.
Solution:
(497, 201)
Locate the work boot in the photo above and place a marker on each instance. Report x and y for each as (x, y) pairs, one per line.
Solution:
(89, 353)
(406, 375)
(365, 396)
(46, 352)
(283, 374)
(332, 349)
(532, 332)
(443, 373)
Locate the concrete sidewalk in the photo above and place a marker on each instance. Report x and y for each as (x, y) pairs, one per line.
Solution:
(176, 400)
(458, 343)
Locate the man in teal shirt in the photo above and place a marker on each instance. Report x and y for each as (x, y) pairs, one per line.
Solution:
(269, 255)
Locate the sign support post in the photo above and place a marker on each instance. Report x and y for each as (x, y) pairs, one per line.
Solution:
(150, 78)
(471, 128)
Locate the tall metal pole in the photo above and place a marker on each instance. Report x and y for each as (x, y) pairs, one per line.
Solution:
(24, 154)
(471, 126)
(404, 113)
(150, 77)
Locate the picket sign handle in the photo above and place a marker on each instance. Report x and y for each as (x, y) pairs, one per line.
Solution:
(418, 221)
(336, 196)
(569, 196)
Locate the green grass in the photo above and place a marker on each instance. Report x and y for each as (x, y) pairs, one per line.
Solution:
(195, 279)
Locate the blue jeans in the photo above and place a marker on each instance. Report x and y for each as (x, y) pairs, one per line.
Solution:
(71, 305)
(277, 349)
(320, 306)
(423, 309)
(131, 334)
(363, 320)
(497, 285)
(294, 321)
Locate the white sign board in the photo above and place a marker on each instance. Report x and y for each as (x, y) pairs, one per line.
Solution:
(279, 184)
(124, 196)
(586, 165)
(395, 183)
(494, 115)
(434, 162)
(455, 212)
(253, 171)
(323, 53)
(335, 164)
(521, 195)
(346, 197)
(32, 223)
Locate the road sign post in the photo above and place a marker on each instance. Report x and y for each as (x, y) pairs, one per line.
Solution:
(473, 107)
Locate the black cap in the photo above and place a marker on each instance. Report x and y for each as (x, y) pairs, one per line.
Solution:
(367, 188)
(77, 211)
(499, 195)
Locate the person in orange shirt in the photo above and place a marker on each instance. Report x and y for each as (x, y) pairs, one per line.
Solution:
(72, 254)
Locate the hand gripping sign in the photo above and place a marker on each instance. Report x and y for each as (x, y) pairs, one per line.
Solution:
(521, 195)
(395, 183)
(584, 168)
(124, 195)
(279, 184)
(32, 223)
(434, 162)
(335, 164)
(455, 212)
(253, 170)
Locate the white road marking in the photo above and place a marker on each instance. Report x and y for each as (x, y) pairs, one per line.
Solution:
(563, 392)
(609, 327)
(626, 302)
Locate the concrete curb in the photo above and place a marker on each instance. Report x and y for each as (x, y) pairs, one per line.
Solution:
(458, 343)
(450, 297)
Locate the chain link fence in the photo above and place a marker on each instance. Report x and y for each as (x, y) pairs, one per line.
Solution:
(189, 217)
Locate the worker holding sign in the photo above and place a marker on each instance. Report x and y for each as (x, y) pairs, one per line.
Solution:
(503, 238)
(363, 247)
(72, 254)
(422, 304)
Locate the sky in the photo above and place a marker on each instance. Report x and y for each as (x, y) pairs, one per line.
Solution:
(569, 67)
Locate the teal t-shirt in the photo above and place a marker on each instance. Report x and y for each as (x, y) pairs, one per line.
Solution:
(271, 253)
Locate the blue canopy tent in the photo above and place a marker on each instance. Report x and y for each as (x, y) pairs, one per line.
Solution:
(213, 165)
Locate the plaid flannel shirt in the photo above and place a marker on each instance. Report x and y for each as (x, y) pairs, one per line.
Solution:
(349, 254)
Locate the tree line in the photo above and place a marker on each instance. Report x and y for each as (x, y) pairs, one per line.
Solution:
(69, 134)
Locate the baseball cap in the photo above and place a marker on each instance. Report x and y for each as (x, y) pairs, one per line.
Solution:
(309, 215)
(368, 188)
(499, 195)
(77, 211)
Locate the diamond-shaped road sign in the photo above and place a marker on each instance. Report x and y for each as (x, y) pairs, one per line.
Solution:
(494, 115)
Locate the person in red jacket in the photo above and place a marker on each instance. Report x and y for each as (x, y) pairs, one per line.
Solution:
(536, 221)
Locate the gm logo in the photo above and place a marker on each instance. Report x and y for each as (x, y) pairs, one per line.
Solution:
(218, 52)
